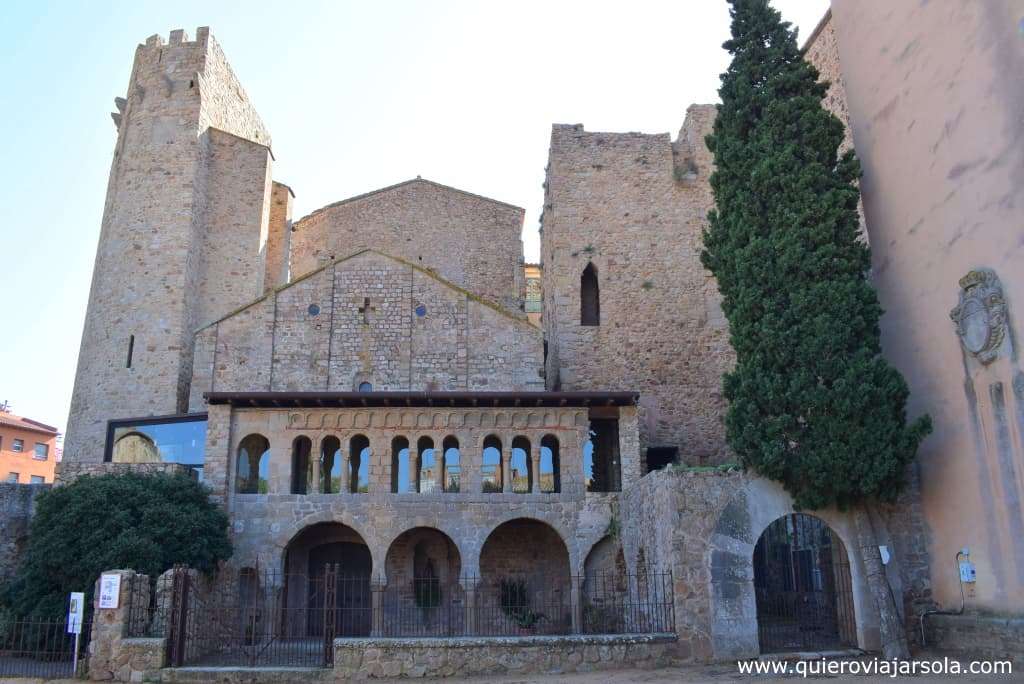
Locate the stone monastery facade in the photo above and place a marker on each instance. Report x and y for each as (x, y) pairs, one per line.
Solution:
(384, 385)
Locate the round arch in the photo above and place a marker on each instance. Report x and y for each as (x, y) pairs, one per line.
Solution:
(754, 505)
(802, 586)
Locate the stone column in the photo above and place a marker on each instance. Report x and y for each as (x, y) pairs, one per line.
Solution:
(377, 587)
(576, 596)
(439, 463)
(469, 591)
(506, 464)
(315, 451)
(534, 460)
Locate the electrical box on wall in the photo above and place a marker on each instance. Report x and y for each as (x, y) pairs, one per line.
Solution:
(967, 572)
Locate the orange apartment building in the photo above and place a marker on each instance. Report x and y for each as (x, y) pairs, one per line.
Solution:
(28, 450)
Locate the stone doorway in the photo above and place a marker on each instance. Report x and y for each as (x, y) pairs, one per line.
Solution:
(802, 587)
(307, 559)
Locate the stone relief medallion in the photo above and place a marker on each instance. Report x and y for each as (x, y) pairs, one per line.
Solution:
(980, 317)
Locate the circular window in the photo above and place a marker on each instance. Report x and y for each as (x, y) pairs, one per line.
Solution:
(314, 309)
(421, 310)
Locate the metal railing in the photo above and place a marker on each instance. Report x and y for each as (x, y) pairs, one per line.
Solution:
(39, 648)
(270, 618)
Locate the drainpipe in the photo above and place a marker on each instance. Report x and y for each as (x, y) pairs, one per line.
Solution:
(956, 561)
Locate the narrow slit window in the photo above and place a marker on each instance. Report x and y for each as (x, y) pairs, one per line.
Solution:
(131, 351)
(590, 297)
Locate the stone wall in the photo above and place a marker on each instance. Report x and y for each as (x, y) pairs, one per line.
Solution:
(469, 240)
(17, 505)
(634, 206)
(263, 525)
(704, 524)
(165, 197)
(477, 656)
(369, 318)
(978, 636)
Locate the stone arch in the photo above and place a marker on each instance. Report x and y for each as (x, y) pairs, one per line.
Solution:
(279, 542)
(252, 465)
(730, 560)
(309, 558)
(536, 533)
(400, 561)
(802, 586)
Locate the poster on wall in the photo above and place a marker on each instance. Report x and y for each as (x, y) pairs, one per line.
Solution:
(110, 590)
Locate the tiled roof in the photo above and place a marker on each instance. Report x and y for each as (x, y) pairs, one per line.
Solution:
(11, 420)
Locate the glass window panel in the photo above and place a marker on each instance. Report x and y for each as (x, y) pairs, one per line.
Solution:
(168, 441)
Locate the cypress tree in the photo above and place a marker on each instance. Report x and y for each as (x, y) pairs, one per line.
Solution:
(812, 403)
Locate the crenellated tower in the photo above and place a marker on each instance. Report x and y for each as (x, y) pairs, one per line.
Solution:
(184, 237)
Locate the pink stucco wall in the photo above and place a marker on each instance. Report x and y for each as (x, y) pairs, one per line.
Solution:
(937, 113)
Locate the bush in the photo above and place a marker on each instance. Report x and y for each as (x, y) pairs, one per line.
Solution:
(143, 522)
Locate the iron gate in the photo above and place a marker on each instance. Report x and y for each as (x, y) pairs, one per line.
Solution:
(265, 618)
(802, 585)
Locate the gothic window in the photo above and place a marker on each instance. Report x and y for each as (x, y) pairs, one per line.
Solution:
(426, 462)
(519, 466)
(302, 465)
(359, 464)
(590, 297)
(601, 469)
(253, 466)
(490, 464)
(550, 477)
(330, 466)
(402, 480)
(451, 465)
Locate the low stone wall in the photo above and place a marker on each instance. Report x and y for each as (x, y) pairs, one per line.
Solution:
(68, 472)
(17, 505)
(977, 636)
(376, 658)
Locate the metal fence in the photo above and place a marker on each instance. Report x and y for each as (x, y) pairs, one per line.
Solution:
(39, 648)
(269, 618)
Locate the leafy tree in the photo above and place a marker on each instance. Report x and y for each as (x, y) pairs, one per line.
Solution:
(812, 403)
(143, 522)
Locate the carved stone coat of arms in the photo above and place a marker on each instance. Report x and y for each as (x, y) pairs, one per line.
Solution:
(980, 317)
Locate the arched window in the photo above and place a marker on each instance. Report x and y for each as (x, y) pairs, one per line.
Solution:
(590, 297)
(402, 480)
(359, 464)
(452, 469)
(550, 477)
(519, 466)
(365, 387)
(330, 466)
(253, 466)
(490, 464)
(302, 465)
(426, 462)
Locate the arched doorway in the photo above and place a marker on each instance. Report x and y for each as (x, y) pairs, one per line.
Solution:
(802, 587)
(424, 596)
(524, 581)
(319, 554)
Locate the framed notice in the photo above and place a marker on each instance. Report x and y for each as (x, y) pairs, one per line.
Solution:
(76, 606)
(110, 591)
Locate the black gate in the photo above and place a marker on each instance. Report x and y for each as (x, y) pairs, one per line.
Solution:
(264, 618)
(803, 588)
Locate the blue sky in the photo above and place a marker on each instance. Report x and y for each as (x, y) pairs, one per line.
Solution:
(357, 95)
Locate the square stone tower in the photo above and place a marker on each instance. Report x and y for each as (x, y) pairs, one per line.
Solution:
(184, 234)
(627, 303)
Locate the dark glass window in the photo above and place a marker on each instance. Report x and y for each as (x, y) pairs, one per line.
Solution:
(177, 439)
(41, 452)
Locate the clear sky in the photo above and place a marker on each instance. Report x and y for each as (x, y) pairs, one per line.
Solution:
(357, 95)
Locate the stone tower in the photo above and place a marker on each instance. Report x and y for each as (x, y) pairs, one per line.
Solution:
(184, 237)
(621, 233)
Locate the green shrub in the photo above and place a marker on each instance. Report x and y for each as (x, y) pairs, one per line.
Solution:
(143, 522)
